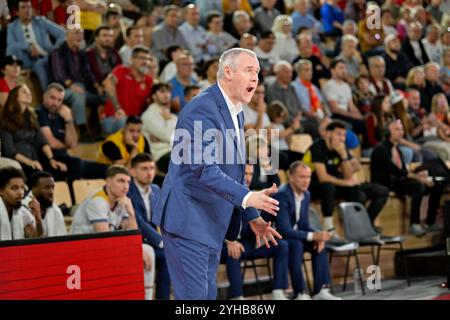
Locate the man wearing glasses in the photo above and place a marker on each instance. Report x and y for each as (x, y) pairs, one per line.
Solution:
(29, 39)
(128, 90)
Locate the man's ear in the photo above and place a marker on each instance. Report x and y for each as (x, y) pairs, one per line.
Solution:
(227, 72)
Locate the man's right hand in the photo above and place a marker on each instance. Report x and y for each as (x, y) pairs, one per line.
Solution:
(321, 236)
(352, 182)
(65, 113)
(261, 200)
(235, 249)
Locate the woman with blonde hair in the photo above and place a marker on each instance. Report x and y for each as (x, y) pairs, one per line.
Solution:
(416, 78)
(285, 45)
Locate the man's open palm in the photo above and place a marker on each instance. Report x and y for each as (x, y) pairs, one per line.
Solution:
(264, 231)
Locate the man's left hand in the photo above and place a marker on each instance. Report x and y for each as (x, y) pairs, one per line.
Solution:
(264, 231)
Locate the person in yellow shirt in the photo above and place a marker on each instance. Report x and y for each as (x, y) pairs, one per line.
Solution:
(91, 16)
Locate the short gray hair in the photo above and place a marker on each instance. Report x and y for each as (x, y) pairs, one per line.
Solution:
(373, 59)
(349, 37)
(280, 64)
(300, 63)
(239, 14)
(229, 57)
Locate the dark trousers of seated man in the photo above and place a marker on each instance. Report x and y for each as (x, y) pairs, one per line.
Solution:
(280, 264)
(328, 193)
(378, 196)
(417, 190)
(162, 275)
(321, 271)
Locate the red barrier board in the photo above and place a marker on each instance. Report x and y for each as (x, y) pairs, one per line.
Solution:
(103, 266)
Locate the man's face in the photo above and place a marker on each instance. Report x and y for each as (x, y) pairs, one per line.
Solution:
(132, 132)
(118, 185)
(13, 193)
(302, 6)
(349, 48)
(75, 37)
(284, 75)
(191, 95)
(267, 43)
(144, 172)
(433, 35)
(305, 45)
(12, 70)
(113, 20)
(193, 16)
(136, 38)
(394, 45)
(216, 24)
(415, 32)
(247, 42)
(377, 69)
(396, 131)
(45, 191)
(172, 18)
(141, 62)
(336, 137)
(301, 178)
(106, 38)
(340, 71)
(248, 174)
(432, 73)
(25, 10)
(244, 77)
(306, 72)
(243, 24)
(414, 99)
(162, 96)
(185, 66)
(53, 100)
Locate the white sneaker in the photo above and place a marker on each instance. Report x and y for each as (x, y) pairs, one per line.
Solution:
(278, 294)
(325, 294)
(303, 296)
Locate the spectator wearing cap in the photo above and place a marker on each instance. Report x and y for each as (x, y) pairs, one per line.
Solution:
(29, 39)
(128, 89)
(183, 78)
(218, 39)
(10, 71)
(195, 35)
(397, 63)
(167, 33)
(158, 124)
(113, 19)
(412, 47)
(285, 47)
(265, 15)
(128, 8)
(103, 58)
(134, 37)
(265, 52)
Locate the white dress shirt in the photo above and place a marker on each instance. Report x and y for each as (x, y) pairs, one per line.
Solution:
(298, 207)
(145, 194)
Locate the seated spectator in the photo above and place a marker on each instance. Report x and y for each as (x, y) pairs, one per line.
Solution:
(22, 139)
(248, 41)
(125, 82)
(10, 71)
(113, 20)
(412, 47)
(432, 43)
(195, 35)
(379, 84)
(355, 10)
(292, 223)
(282, 89)
(302, 17)
(285, 46)
(206, 7)
(332, 18)
(264, 16)
(432, 86)
(170, 69)
(434, 9)
(183, 78)
(339, 96)
(371, 37)
(191, 91)
(49, 219)
(305, 45)
(15, 224)
(103, 58)
(158, 125)
(134, 37)
(351, 57)
(397, 63)
(332, 177)
(241, 24)
(57, 127)
(217, 38)
(417, 113)
(388, 169)
(415, 79)
(168, 33)
(209, 73)
(121, 146)
(109, 209)
(29, 40)
(245, 248)
(255, 114)
(313, 104)
(445, 72)
(144, 195)
(349, 28)
(264, 175)
(266, 54)
(278, 114)
(388, 23)
(70, 67)
(362, 97)
(376, 121)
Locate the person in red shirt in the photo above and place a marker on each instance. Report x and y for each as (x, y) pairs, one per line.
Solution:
(128, 90)
(10, 71)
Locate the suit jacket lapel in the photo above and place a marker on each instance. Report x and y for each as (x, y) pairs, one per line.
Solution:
(292, 201)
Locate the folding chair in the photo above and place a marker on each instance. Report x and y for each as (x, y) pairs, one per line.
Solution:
(251, 264)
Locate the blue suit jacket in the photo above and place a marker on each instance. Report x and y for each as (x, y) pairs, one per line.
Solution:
(43, 29)
(199, 200)
(148, 229)
(285, 219)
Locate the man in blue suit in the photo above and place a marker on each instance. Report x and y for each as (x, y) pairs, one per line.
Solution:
(293, 223)
(204, 193)
(244, 248)
(29, 38)
(144, 195)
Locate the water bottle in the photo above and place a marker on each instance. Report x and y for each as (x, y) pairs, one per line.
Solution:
(357, 275)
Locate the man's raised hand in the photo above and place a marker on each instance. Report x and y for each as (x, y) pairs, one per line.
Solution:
(261, 200)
